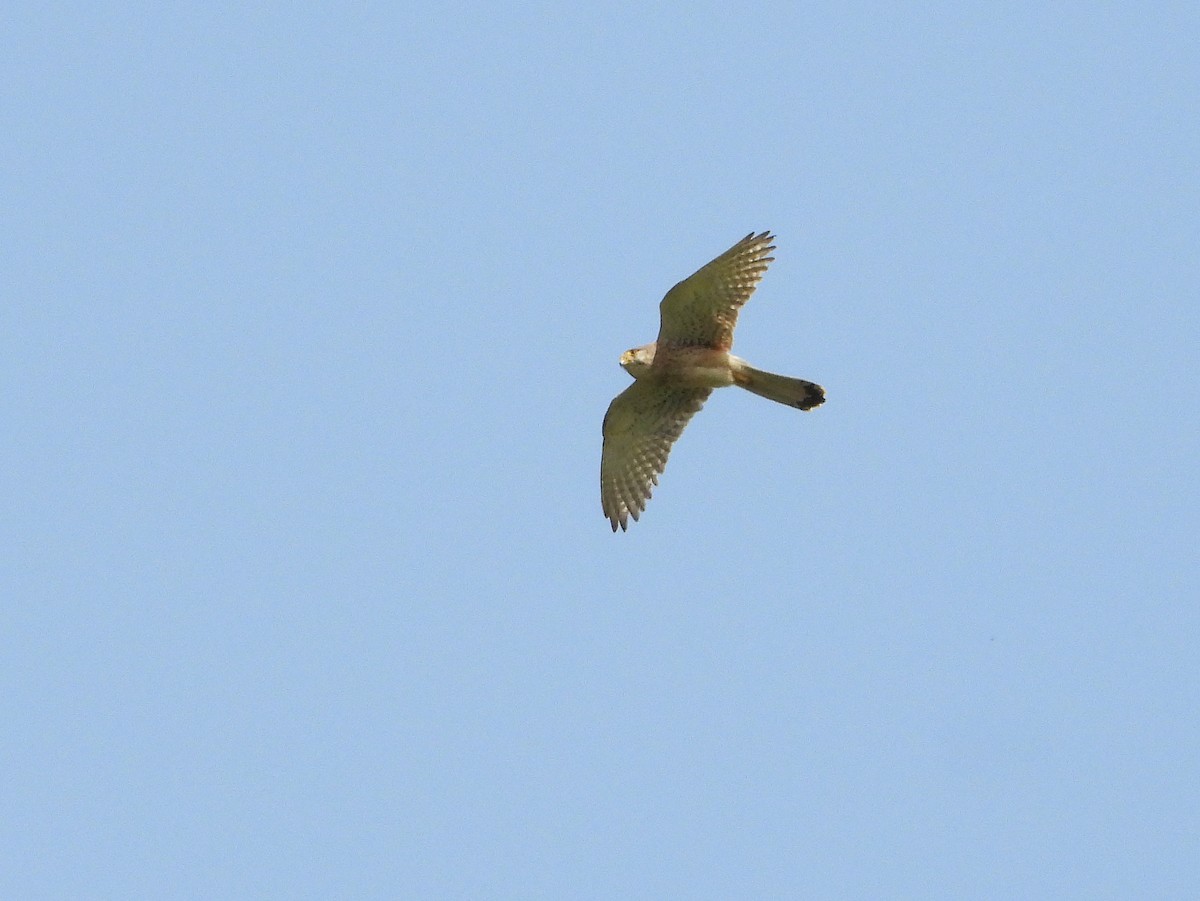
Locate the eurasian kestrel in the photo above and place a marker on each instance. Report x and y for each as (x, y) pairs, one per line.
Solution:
(676, 374)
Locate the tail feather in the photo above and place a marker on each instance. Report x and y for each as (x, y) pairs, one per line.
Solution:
(780, 388)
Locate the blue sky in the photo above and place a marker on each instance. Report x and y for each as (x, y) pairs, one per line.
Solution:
(310, 320)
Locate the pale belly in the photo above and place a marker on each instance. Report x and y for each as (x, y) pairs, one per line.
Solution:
(699, 367)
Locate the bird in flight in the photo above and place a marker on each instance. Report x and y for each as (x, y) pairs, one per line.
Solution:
(674, 376)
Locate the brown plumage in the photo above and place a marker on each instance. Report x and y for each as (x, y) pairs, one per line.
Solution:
(676, 374)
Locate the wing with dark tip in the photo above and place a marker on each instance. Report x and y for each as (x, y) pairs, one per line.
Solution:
(702, 309)
(641, 424)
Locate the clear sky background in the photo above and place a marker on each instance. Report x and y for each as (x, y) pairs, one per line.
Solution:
(309, 321)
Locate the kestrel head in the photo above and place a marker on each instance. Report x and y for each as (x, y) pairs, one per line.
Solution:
(637, 360)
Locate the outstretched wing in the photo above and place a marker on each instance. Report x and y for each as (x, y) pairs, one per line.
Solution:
(703, 308)
(640, 426)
